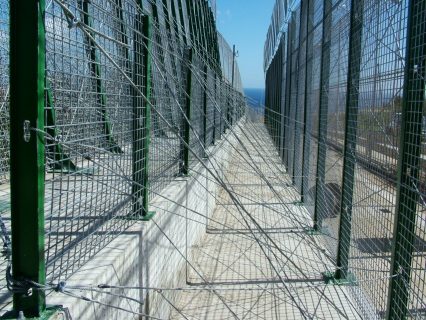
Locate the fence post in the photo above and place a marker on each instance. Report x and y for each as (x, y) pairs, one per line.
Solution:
(408, 194)
(205, 100)
(27, 152)
(323, 109)
(352, 95)
(305, 157)
(188, 107)
(282, 101)
(141, 114)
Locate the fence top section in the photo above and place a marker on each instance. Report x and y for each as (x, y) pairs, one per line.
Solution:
(280, 17)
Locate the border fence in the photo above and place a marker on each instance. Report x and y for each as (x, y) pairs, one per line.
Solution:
(345, 106)
(109, 101)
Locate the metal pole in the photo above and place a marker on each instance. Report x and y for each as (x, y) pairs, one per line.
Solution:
(142, 114)
(27, 153)
(189, 57)
(323, 110)
(233, 65)
(205, 100)
(408, 163)
(304, 156)
(352, 95)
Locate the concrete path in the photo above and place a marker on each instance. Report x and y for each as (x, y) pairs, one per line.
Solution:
(257, 260)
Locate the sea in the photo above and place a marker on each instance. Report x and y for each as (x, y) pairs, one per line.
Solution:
(255, 98)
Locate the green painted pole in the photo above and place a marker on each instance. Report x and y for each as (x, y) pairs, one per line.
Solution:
(95, 67)
(214, 135)
(138, 119)
(205, 100)
(296, 103)
(288, 88)
(409, 163)
(146, 110)
(308, 74)
(27, 166)
(352, 96)
(188, 109)
(323, 110)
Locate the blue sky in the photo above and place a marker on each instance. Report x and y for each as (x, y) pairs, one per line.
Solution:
(245, 24)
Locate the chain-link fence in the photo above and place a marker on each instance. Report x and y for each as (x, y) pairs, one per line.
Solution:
(351, 76)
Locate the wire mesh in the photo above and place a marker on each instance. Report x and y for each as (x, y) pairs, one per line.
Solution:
(374, 190)
(92, 114)
(294, 32)
(300, 92)
(330, 187)
(409, 291)
(99, 135)
(168, 97)
(313, 77)
(383, 228)
(197, 135)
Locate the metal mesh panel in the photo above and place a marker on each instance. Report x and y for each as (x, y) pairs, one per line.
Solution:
(408, 291)
(210, 107)
(273, 101)
(218, 111)
(300, 107)
(330, 185)
(89, 112)
(287, 98)
(168, 98)
(380, 89)
(197, 110)
(294, 29)
(312, 105)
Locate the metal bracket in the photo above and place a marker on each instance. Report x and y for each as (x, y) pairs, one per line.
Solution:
(331, 278)
(146, 217)
(27, 131)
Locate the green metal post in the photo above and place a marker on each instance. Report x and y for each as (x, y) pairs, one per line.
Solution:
(409, 163)
(27, 74)
(205, 100)
(296, 102)
(304, 157)
(187, 130)
(146, 109)
(214, 110)
(138, 119)
(288, 88)
(323, 110)
(352, 95)
(95, 67)
(282, 101)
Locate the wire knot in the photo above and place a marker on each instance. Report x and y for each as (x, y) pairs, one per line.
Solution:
(61, 287)
(18, 286)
